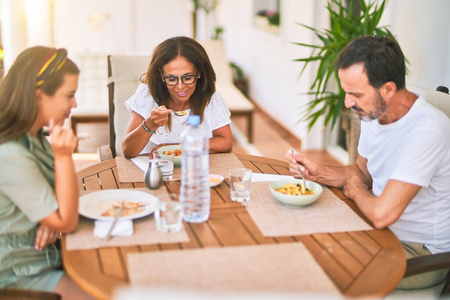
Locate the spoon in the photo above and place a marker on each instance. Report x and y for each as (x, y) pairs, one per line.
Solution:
(301, 177)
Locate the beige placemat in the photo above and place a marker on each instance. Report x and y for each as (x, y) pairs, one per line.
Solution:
(145, 232)
(327, 214)
(128, 171)
(281, 268)
(220, 163)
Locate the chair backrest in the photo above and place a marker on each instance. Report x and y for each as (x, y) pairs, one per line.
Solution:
(124, 73)
(440, 99)
(216, 53)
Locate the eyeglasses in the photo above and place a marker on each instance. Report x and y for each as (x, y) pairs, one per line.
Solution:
(185, 79)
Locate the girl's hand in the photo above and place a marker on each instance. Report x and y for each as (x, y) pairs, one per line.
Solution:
(63, 141)
(44, 237)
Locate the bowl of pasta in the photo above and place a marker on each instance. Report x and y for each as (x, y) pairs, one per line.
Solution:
(292, 191)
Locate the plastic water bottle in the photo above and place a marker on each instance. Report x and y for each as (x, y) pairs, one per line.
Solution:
(195, 193)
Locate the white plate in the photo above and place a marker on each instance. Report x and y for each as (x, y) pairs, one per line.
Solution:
(93, 204)
(218, 180)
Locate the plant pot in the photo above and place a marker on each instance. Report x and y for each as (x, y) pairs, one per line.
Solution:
(351, 124)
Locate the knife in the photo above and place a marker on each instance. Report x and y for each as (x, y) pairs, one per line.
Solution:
(118, 215)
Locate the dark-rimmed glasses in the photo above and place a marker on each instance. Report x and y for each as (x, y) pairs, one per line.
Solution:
(185, 79)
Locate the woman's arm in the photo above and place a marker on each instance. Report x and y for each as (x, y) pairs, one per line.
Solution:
(136, 137)
(222, 140)
(65, 218)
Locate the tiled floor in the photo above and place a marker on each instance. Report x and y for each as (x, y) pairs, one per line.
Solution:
(270, 140)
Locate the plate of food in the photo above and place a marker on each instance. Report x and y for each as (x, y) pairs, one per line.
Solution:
(104, 204)
(168, 150)
(215, 180)
(292, 192)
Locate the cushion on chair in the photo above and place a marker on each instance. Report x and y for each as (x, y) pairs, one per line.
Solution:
(440, 100)
(126, 73)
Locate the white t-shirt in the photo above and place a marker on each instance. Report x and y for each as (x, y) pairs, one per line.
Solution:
(414, 149)
(216, 115)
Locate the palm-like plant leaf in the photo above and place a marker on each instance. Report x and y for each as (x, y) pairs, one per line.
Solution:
(345, 25)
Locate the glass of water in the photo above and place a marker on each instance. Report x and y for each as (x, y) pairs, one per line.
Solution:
(166, 168)
(240, 184)
(169, 215)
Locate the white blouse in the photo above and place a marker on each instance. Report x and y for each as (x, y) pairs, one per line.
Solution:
(216, 115)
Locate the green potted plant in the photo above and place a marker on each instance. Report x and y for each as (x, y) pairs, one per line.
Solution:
(347, 22)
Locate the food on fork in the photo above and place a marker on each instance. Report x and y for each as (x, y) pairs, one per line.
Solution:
(295, 189)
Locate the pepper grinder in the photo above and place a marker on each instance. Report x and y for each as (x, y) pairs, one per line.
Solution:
(153, 177)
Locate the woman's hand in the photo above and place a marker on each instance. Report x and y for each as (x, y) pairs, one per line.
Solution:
(158, 117)
(44, 237)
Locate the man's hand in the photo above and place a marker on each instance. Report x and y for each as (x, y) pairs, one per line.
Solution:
(353, 186)
(307, 168)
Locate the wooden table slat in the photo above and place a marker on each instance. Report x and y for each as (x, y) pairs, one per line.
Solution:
(340, 275)
(353, 247)
(230, 230)
(245, 218)
(339, 253)
(112, 263)
(370, 244)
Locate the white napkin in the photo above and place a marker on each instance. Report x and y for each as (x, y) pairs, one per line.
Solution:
(122, 228)
(256, 177)
(141, 162)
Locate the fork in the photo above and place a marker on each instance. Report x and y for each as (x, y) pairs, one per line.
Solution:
(298, 172)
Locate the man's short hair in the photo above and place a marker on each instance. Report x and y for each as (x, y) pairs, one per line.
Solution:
(382, 57)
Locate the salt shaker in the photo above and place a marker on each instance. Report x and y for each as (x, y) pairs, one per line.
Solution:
(153, 177)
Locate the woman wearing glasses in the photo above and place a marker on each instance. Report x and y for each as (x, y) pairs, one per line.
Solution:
(180, 81)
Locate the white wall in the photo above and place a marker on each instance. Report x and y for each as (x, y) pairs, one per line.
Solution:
(422, 28)
(90, 30)
(423, 31)
(267, 59)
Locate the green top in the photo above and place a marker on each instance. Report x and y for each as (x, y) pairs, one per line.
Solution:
(27, 179)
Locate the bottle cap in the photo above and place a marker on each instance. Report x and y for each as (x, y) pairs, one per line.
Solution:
(194, 120)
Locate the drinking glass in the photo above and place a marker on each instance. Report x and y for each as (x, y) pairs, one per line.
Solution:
(169, 215)
(240, 184)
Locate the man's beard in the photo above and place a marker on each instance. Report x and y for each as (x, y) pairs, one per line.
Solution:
(380, 108)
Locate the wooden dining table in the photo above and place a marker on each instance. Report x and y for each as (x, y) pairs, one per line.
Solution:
(359, 263)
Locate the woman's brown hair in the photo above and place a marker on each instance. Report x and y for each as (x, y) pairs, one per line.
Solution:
(196, 54)
(18, 105)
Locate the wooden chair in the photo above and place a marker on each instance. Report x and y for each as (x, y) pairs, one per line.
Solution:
(424, 264)
(419, 265)
(124, 72)
(17, 294)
